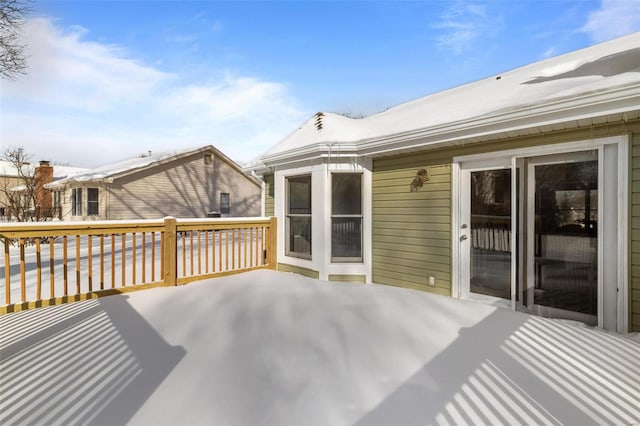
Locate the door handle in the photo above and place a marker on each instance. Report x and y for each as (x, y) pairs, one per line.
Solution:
(464, 226)
(462, 238)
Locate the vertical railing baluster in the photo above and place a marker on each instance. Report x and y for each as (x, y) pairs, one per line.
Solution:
(38, 270)
(78, 264)
(134, 259)
(52, 270)
(250, 248)
(23, 278)
(162, 255)
(7, 273)
(153, 257)
(227, 250)
(65, 272)
(90, 262)
(144, 258)
(219, 245)
(184, 255)
(123, 258)
(102, 262)
(113, 260)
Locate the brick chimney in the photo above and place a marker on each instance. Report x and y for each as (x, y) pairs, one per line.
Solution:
(42, 176)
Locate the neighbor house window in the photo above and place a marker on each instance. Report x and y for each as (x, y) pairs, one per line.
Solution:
(57, 199)
(346, 217)
(92, 202)
(225, 203)
(298, 226)
(76, 202)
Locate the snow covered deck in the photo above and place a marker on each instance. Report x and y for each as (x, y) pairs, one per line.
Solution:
(265, 347)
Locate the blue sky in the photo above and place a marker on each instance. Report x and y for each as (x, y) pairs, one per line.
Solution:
(113, 79)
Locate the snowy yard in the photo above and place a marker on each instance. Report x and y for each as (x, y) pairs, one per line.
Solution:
(270, 348)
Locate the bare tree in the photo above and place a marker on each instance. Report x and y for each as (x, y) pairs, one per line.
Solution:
(12, 52)
(17, 188)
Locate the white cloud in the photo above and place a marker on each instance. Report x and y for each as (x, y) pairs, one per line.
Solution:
(66, 71)
(87, 103)
(614, 18)
(549, 52)
(463, 23)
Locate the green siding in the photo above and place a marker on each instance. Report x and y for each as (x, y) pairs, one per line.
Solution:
(269, 209)
(283, 267)
(348, 278)
(411, 231)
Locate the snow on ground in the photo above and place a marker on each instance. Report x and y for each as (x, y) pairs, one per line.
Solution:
(270, 348)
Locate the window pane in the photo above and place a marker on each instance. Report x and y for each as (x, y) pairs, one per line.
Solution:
(224, 203)
(490, 255)
(76, 202)
(346, 238)
(346, 193)
(300, 195)
(92, 201)
(300, 235)
(566, 236)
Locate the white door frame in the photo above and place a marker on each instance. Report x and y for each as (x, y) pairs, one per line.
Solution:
(490, 159)
(463, 209)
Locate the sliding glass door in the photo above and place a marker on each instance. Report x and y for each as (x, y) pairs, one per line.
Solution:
(544, 231)
(562, 226)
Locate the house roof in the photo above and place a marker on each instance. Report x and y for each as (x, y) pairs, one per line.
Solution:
(122, 168)
(8, 169)
(591, 82)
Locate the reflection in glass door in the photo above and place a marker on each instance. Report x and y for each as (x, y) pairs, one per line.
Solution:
(565, 237)
(490, 233)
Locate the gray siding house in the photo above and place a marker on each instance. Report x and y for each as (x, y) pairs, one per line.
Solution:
(521, 190)
(190, 184)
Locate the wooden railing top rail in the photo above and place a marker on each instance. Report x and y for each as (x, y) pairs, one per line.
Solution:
(52, 229)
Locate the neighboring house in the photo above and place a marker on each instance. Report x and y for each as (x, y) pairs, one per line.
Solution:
(28, 188)
(196, 183)
(521, 189)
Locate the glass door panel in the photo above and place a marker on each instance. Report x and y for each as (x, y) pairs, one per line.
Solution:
(490, 233)
(565, 237)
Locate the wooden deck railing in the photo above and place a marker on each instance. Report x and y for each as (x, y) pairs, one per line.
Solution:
(53, 263)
